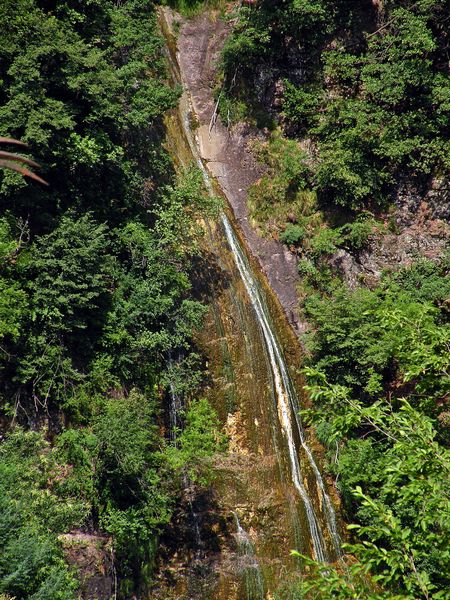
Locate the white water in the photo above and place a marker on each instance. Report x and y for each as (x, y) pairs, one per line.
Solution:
(282, 385)
(174, 409)
(287, 401)
(173, 415)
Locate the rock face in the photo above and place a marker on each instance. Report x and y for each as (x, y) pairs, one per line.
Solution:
(438, 198)
(93, 558)
(429, 203)
(422, 231)
(227, 153)
(191, 548)
(420, 214)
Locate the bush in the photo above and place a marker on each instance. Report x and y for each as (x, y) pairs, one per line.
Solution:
(300, 106)
(284, 189)
(347, 176)
(364, 339)
(325, 241)
(293, 235)
(306, 268)
(356, 235)
(36, 502)
(199, 440)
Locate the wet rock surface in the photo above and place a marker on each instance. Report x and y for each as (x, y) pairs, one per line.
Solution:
(227, 153)
(191, 547)
(260, 516)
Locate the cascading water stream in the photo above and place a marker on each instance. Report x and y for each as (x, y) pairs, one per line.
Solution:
(173, 414)
(175, 428)
(282, 385)
(175, 405)
(287, 401)
(187, 484)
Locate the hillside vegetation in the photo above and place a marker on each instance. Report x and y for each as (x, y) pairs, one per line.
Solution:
(354, 99)
(367, 82)
(96, 308)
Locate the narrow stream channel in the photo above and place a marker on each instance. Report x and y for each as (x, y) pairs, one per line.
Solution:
(287, 404)
(315, 522)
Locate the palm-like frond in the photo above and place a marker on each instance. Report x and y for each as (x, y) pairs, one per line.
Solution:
(15, 162)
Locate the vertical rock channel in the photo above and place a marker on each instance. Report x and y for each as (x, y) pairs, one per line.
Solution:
(270, 481)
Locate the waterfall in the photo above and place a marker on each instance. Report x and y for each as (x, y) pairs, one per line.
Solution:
(196, 524)
(175, 406)
(175, 428)
(253, 580)
(287, 400)
(173, 414)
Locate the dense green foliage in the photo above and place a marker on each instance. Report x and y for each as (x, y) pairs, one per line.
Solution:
(379, 377)
(197, 441)
(369, 87)
(365, 338)
(36, 503)
(365, 87)
(95, 292)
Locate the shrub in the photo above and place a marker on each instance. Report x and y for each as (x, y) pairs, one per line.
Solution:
(293, 235)
(356, 235)
(325, 241)
(300, 106)
(306, 268)
(200, 439)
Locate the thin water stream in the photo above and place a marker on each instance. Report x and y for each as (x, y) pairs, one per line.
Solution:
(287, 404)
(264, 410)
(251, 571)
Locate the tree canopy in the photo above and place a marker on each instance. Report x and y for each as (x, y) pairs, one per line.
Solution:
(95, 292)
